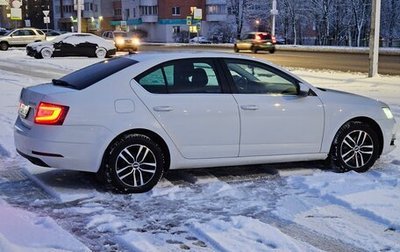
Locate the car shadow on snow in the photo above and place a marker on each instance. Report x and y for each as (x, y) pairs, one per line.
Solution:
(85, 181)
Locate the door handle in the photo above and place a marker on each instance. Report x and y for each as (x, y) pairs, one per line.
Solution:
(249, 107)
(162, 108)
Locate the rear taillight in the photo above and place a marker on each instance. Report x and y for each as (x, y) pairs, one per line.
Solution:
(273, 40)
(50, 114)
(258, 37)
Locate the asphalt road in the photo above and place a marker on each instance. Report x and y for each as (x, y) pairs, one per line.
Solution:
(311, 60)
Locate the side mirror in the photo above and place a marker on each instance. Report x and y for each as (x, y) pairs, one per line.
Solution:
(303, 90)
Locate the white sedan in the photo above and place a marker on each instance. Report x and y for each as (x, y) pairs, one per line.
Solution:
(72, 44)
(200, 40)
(132, 118)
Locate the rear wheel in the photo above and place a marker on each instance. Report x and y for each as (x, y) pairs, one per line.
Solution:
(355, 147)
(4, 46)
(101, 53)
(135, 164)
(272, 50)
(253, 49)
(235, 48)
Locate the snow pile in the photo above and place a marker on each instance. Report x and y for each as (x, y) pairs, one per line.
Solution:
(23, 231)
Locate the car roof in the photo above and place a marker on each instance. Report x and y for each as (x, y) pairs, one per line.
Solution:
(162, 56)
(156, 57)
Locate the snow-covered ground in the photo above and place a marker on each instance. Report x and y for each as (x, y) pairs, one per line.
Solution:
(285, 207)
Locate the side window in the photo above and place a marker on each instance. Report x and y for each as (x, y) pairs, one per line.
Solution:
(154, 82)
(256, 78)
(40, 32)
(29, 33)
(182, 76)
(18, 33)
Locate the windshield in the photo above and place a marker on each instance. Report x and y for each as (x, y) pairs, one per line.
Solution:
(121, 34)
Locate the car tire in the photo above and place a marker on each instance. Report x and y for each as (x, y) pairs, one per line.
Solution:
(272, 50)
(4, 46)
(235, 49)
(253, 49)
(46, 53)
(101, 53)
(134, 164)
(355, 147)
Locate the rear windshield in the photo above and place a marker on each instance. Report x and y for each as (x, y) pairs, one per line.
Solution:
(89, 75)
(264, 36)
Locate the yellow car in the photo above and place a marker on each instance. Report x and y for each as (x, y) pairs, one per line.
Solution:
(122, 40)
(256, 41)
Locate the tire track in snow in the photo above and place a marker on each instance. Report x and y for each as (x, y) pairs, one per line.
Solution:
(31, 71)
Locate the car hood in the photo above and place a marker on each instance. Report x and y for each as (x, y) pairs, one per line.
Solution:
(342, 95)
(341, 99)
(35, 45)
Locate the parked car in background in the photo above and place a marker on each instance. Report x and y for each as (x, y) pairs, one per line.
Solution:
(21, 37)
(72, 44)
(200, 40)
(256, 41)
(122, 40)
(3, 31)
(280, 40)
(51, 34)
(132, 118)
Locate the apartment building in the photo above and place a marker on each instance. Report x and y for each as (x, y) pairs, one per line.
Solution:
(166, 20)
(32, 14)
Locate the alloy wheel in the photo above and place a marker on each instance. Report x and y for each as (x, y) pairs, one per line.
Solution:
(135, 165)
(357, 149)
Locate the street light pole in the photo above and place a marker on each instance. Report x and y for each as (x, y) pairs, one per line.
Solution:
(274, 12)
(374, 38)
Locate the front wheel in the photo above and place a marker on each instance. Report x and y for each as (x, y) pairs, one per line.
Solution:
(46, 53)
(253, 49)
(355, 147)
(235, 49)
(135, 164)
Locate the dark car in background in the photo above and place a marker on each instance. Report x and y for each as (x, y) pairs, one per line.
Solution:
(256, 41)
(51, 34)
(72, 44)
(3, 31)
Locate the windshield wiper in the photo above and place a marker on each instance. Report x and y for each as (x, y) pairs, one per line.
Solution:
(63, 83)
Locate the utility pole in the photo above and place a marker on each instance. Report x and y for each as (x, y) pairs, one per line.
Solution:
(79, 16)
(374, 38)
(274, 12)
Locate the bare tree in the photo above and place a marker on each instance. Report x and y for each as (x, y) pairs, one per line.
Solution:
(390, 21)
(361, 15)
(237, 9)
(321, 10)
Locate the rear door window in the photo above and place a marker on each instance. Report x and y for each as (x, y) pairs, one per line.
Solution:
(182, 76)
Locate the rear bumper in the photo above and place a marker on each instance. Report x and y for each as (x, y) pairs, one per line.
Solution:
(78, 148)
(265, 46)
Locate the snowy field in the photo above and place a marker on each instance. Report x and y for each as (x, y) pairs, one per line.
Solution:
(285, 207)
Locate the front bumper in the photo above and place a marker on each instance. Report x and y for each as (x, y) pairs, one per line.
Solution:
(30, 51)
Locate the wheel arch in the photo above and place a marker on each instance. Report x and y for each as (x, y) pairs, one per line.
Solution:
(152, 135)
(373, 124)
